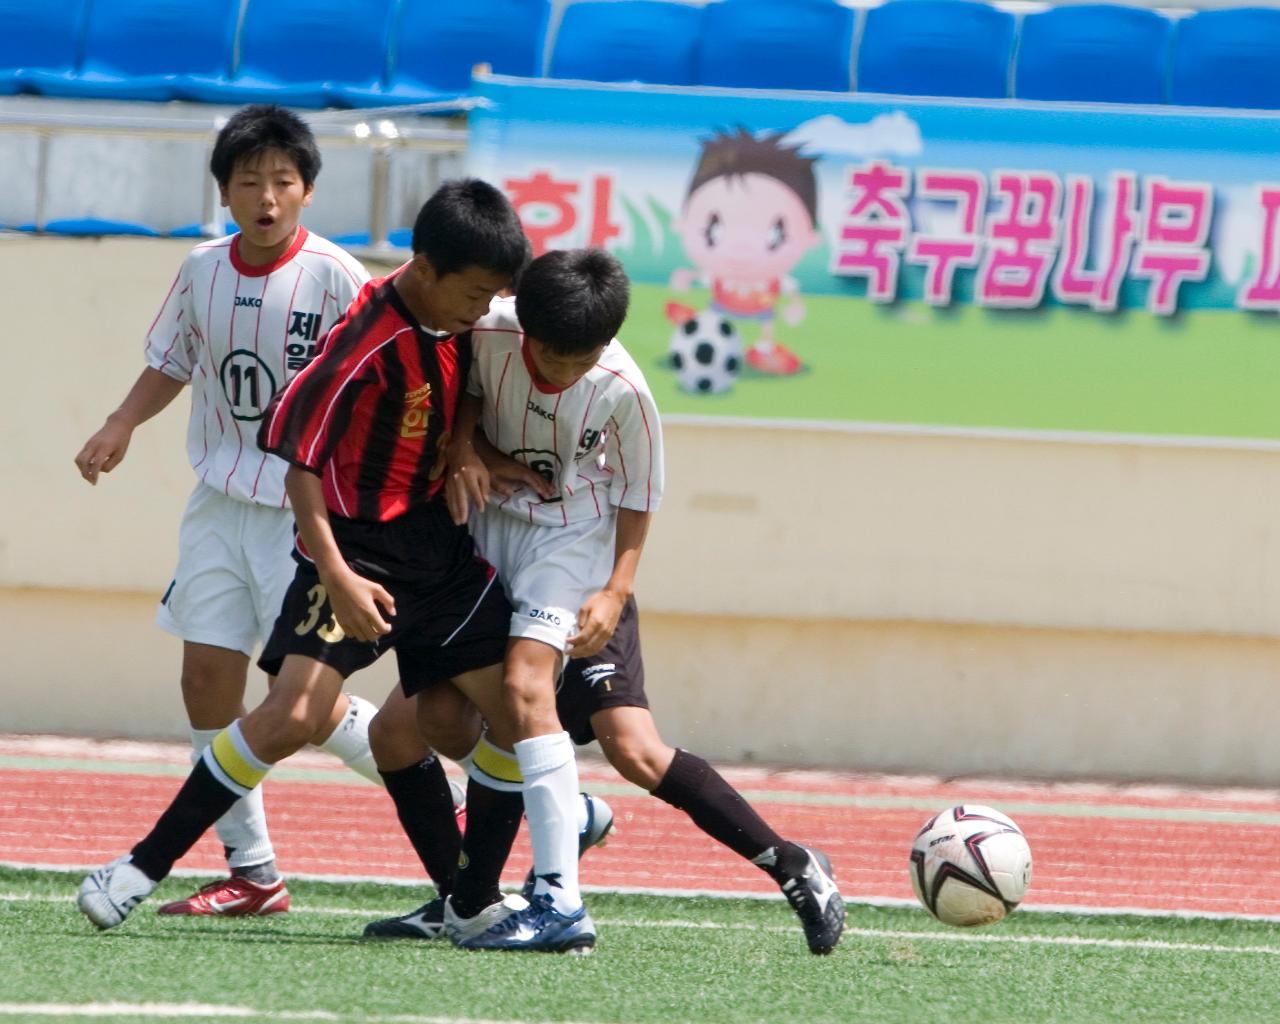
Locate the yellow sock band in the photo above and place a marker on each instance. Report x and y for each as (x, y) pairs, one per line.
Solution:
(233, 763)
(494, 767)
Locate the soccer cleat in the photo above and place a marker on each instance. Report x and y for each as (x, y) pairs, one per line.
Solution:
(232, 897)
(775, 360)
(541, 928)
(107, 895)
(462, 929)
(816, 900)
(596, 833)
(427, 922)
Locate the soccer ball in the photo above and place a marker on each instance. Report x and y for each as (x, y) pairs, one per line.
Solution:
(706, 353)
(970, 865)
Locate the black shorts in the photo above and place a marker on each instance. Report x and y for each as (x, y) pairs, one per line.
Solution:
(613, 678)
(451, 613)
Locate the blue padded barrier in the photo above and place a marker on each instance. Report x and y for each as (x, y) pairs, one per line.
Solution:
(763, 44)
(38, 35)
(142, 49)
(627, 41)
(1227, 58)
(1094, 52)
(92, 226)
(301, 53)
(936, 48)
(400, 238)
(435, 45)
(197, 231)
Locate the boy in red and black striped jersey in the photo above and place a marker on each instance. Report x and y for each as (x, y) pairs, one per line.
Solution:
(380, 563)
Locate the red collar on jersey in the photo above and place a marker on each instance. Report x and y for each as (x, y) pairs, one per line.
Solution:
(542, 386)
(249, 270)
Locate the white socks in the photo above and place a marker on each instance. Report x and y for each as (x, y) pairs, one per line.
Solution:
(349, 742)
(243, 829)
(552, 807)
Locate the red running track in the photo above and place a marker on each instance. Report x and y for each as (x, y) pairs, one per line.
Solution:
(79, 803)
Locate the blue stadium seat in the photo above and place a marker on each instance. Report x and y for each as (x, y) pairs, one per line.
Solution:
(936, 48)
(1227, 58)
(138, 49)
(764, 44)
(435, 45)
(301, 53)
(1095, 52)
(38, 36)
(627, 41)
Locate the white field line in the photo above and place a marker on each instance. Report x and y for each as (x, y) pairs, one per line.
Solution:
(871, 933)
(206, 1011)
(1083, 910)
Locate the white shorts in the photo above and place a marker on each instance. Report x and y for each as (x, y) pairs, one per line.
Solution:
(548, 570)
(234, 566)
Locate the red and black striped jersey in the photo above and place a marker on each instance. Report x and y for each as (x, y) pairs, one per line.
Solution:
(372, 413)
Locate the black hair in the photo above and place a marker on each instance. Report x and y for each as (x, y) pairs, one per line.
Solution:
(573, 300)
(252, 130)
(469, 223)
(727, 155)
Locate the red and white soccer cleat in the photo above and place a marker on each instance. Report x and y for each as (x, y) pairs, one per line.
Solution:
(774, 360)
(232, 897)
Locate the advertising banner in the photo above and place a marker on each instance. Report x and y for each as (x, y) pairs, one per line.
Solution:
(883, 260)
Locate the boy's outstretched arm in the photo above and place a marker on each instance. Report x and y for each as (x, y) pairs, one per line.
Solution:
(468, 479)
(358, 604)
(477, 467)
(105, 450)
(598, 616)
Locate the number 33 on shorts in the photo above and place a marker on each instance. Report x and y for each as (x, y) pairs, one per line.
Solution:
(330, 632)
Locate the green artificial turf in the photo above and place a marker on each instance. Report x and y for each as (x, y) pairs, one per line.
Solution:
(659, 959)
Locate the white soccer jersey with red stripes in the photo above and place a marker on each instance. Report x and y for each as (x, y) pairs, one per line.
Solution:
(599, 442)
(237, 334)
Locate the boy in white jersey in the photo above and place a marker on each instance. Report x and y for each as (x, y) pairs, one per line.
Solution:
(557, 392)
(243, 316)
(575, 436)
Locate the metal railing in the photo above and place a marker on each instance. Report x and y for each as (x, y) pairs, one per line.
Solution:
(384, 133)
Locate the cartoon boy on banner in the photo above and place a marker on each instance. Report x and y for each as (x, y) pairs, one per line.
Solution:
(749, 217)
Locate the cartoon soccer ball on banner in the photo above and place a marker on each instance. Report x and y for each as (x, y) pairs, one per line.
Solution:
(970, 865)
(706, 353)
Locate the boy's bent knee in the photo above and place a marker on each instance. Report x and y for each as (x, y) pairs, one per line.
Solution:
(394, 738)
(274, 733)
(530, 687)
(641, 762)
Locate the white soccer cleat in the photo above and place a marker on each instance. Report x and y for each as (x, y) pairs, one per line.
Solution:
(107, 895)
(462, 929)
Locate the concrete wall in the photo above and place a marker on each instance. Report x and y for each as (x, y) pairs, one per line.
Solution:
(890, 600)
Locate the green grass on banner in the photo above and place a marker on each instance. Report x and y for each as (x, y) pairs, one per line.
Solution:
(1207, 374)
(659, 960)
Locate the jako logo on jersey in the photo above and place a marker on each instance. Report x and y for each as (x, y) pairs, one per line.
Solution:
(533, 407)
(249, 300)
(417, 412)
(302, 325)
(545, 616)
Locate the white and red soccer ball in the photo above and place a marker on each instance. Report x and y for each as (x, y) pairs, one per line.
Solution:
(970, 865)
